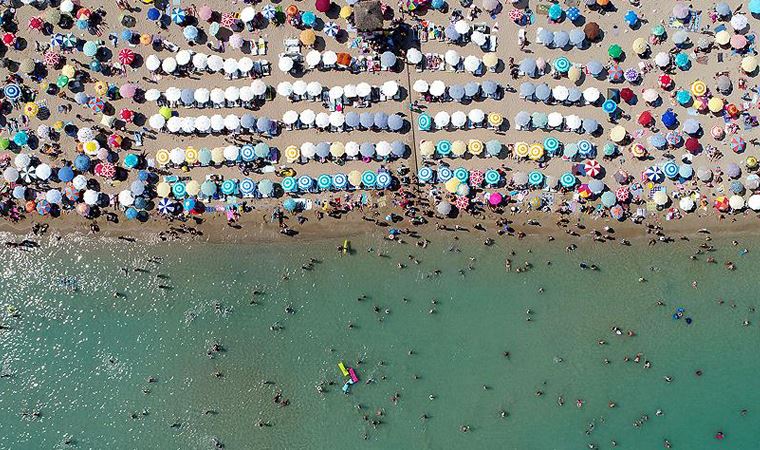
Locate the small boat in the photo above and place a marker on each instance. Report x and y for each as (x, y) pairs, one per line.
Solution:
(342, 368)
(346, 247)
(351, 372)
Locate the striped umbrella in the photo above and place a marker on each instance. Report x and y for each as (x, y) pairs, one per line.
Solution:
(247, 186)
(444, 174)
(536, 152)
(305, 182)
(535, 178)
(96, 104)
(178, 15)
(737, 144)
(615, 73)
(476, 177)
(670, 169)
(56, 40)
(443, 147)
(568, 180)
(424, 121)
(631, 75)
(247, 152)
(69, 40)
(492, 177)
(551, 145)
(289, 184)
(617, 212)
(369, 179)
(324, 182)
(178, 189)
(292, 153)
(229, 187)
(622, 194)
(674, 137)
(654, 174)
(269, 12)
(461, 174)
(383, 180)
(522, 149)
(71, 193)
(425, 174)
(592, 168)
(562, 64)
(331, 29)
(12, 92)
(165, 206)
(585, 149)
(43, 207)
(339, 181)
(462, 202)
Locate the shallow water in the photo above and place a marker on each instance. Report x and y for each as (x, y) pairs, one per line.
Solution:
(81, 356)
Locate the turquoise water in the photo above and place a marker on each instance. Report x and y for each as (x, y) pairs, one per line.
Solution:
(81, 357)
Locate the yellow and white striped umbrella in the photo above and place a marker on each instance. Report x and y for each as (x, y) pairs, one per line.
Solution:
(522, 149)
(191, 156)
(536, 151)
(292, 153)
(162, 157)
(698, 88)
(495, 119)
(475, 146)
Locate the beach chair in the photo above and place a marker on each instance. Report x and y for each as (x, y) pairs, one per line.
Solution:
(262, 46)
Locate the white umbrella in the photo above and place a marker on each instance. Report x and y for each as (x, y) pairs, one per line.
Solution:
(662, 59)
(420, 86)
(476, 115)
(188, 124)
(686, 203)
(152, 63)
(299, 87)
(157, 121)
(560, 93)
(201, 95)
(90, 197)
(352, 149)
(245, 64)
(322, 120)
(437, 88)
(383, 148)
(573, 122)
(554, 119)
(174, 124)
(54, 196)
(462, 27)
(152, 95)
(313, 58)
(43, 171)
(308, 150)
(232, 94)
(169, 65)
(284, 88)
(247, 14)
(458, 119)
(307, 117)
(258, 87)
(650, 95)
(10, 174)
(85, 134)
(215, 63)
(739, 22)
(349, 91)
(177, 156)
(329, 57)
(389, 88)
(472, 63)
(363, 89)
(452, 57)
(126, 198)
(289, 117)
(285, 64)
(413, 56)
(79, 182)
(337, 119)
(173, 94)
(246, 93)
(217, 96)
(231, 122)
(314, 88)
(217, 122)
(202, 124)
(200, 61)
(183, 57)
(754, 202)
(335, 93)
(231, 153)
(591, 94)
(736, 202)
(442, 119)
(478, 37)
(230, 66)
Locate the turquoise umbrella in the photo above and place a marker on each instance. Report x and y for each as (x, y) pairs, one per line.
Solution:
(562, 64)
(424, 121)
(551, 145)
(568, 180)
(492, 177)
(229, 187)
(262, 150)
(208, 188)
(289, 184)
(536, 178)
(178, 189)
(555, 11)
(324, 182)
(90, 48)
(609, 199)
(305, 182)
(443, 147)
(461, 174)
(425, 174)
(130, 161)
(204, 156)
(369, 179)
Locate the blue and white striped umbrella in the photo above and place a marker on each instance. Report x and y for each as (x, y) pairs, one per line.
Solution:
(340, 181)
(289, 184)
(324, 181)
(269, 12)
(12, 91)
(383, 180)
(247, 186)
(536, 178)
(165, 206)
(444, 174)
(305, 182)
(461, 174)
(178, 15)
(492, 177)
(670, 169)
(56, 40)
(331, 29)
(568, 180)
(425, 174)
(247, 152)
(369, 179)
(654, 174)
(585, 149)
(229, 187)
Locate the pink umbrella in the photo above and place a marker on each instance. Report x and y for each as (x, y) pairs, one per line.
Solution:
(515, 15)
(476, 177)
(592, 168)
(105, 169)
(126, 56)
(228, 20)
(738, 41)
(51, 58)
(128, 90)
(462, 202)
(622, 194)
(205, 12)
(236, 41)
(495, 199)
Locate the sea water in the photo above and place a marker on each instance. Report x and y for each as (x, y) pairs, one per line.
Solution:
(86, 331)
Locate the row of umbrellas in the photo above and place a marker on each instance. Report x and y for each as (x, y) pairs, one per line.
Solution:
(349, 91)
(368, 180)
(246, 187)
(555, 120)
(543, 93)
(339, 120)
(216, 123)
(188, 60)
(458, 119)
(202, 97)
(456, 92)
(351, 149)
(217, 155)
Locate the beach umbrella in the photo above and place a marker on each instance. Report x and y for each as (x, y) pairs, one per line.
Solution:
(577, 37)
(527, 90)
(444, 174)
(592, 168)
(43, 207)
(595, 68)
(691, 126)
(528, 67)
(699, 88)
(631, 75)
(266, 187)
(461, 174)
(660, 198)
(12, 92)
(673, 138)
(289, 184)
(573, 14)
(622, 194)
(739, 22)
(568, 180)
(368, 179)
(493, 147)
(669, 119)
(229, 187)
(609, 106)
(560, 39)
(608, 199)
(20, 138)
(10, 174)
(615, 73)
(535, 178)
(383, 180)
(592, 31)
(615, 51)
(492, 177)
(670, 169)
(737, 144)
(367, 120)
(562, 64)
(654, 174)
(681, 10)
(443, 208)
(754, 202)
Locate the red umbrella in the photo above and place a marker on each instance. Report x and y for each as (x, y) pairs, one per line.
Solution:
(515, 15)
(622, 194)
(228, 20)
(9, 38)
(627, 95)
(83, 13)
(592, 168)
(462, 202)
(322, 6)
(665, 81)
(646, 119)
(105, 169)
(732, 110)
(127, 115)
(692, 145)
(36, 23)
(114, 141)
(126, 56)
(721, 203)
(51, 58)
